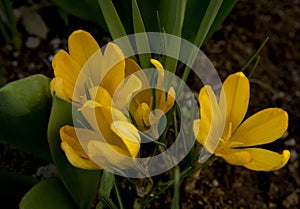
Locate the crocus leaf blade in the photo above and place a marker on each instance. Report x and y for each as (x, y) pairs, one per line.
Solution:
(48, 194)
(81, 184)
(143, 43)
(106, 186)
(172, 14)
(24, 113)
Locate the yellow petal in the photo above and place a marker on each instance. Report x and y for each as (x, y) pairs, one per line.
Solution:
(109, 156)
(235, 97)
(100, 95)
(196, 128)
(57, 88)
(266, 160)
(73, 150)
(125, 91)
(113, 68)
(170, 100)
(157, 64)
(235, 156)
(67, 69)
(263, 127)
(129, 135)
(92, 69)
(131, 67)
(82, 46)
(114, 77)
(211, 123)
(100, 118)
(141, 115)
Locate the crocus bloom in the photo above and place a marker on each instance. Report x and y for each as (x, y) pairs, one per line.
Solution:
(142, 106)
(222, 132)
(90, 79)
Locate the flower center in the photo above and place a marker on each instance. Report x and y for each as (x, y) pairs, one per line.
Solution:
(224, 142)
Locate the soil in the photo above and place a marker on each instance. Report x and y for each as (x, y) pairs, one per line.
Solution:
(275, 83)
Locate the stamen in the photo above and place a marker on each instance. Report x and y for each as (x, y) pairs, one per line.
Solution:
(228, 134)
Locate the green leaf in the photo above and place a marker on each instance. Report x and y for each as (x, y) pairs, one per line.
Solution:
(115, 26)
(207, 21)
(107, 184)
(82, 184)
(142, 43)
(225, 9)
(112, 19)
(175, 200)
(195, 12)
(172, 13)
(13, 187)
(24, 114)
(205, 25)
(48, 194)
(255, 54)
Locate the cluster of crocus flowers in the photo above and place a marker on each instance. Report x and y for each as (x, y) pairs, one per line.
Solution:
(118, 102)
(221, 130)
(102, 85)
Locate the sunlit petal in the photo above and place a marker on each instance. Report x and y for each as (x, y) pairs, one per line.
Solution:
(82, 46)
(67, 69)
(235, 157)
(266, 160)
(73, 150)
(157, 64)
(170, 100)
(141, 115)
(211, 122)
(261, 128)
(109, 156)
(100, 95)
(129, 134)
(57, 88)
(124, 92)
(235, 97)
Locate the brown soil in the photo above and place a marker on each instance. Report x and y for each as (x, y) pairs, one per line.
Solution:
(275, 83)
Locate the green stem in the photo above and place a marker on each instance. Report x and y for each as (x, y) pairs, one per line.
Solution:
(255, 54)
(187, 172)
(118, 195)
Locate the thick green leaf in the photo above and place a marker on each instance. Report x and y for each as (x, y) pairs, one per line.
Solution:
(24, 113)
(13, 187)
(48, 194)
(81, 184)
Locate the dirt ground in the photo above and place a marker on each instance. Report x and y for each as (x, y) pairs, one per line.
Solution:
(275, 83)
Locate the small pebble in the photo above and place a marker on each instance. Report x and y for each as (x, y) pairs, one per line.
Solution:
(290, 142)
(32, 42)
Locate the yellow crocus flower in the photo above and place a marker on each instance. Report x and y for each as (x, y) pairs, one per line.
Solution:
(222, 132)
(102, 79)
(142, 106)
